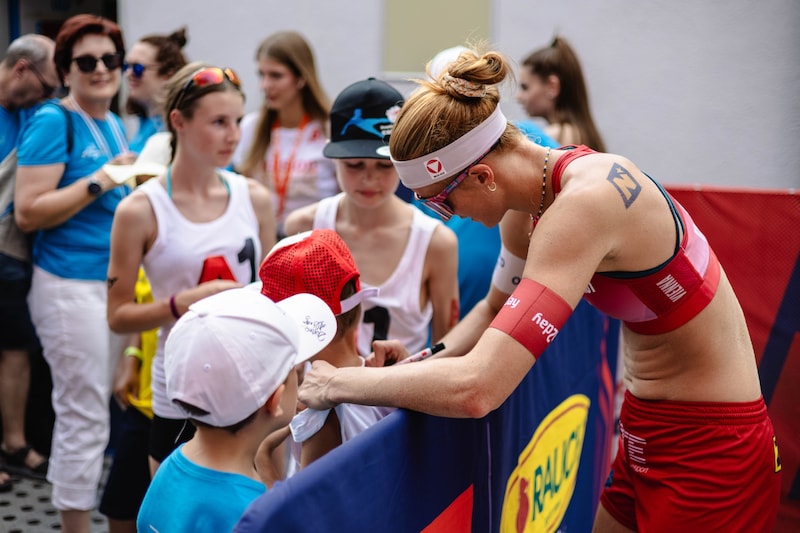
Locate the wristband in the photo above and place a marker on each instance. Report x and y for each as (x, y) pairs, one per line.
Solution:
(532, 316)
(173, 307)
(508, 271)
(133, 351)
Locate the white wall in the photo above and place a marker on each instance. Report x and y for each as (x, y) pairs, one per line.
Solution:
(693, 92)
(344, 34)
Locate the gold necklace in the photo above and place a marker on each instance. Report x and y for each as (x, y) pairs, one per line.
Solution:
(535, 219)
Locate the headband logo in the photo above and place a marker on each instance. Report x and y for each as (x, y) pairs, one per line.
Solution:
(435, 168)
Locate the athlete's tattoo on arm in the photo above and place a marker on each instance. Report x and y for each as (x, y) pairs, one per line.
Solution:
(110, 282)
(626, 185)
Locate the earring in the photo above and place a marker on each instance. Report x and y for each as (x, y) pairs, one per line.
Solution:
(492, 187)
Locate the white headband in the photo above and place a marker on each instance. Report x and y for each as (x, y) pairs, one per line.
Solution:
(448, 161)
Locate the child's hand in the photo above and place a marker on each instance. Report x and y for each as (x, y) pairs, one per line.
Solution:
(127, 381)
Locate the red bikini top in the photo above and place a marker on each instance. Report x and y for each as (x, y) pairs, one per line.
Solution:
(663, 298)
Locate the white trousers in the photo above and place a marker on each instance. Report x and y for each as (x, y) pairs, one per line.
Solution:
(70, 319)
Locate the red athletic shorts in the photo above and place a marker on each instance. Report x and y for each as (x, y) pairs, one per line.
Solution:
(694, 466)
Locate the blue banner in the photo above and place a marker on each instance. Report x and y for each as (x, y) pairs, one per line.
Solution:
(538, 463)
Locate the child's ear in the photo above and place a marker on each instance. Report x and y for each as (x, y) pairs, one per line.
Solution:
(273, 405)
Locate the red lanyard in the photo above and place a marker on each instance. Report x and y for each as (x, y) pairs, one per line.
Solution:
(282, 180)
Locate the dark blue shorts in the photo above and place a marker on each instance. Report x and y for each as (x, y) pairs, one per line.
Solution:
(129, 476)
(16, 328)
(166, 434)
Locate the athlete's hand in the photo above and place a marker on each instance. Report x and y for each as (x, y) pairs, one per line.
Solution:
(312, 393)
(126, 382)
(386, 353)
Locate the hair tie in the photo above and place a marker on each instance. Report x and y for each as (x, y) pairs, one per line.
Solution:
(464, 87)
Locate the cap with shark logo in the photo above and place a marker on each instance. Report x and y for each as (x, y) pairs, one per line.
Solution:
(362, 118)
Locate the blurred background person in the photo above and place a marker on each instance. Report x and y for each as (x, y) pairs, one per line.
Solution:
(551, 86)
(282, 143)
(148, 65)
(65, 196)
(27, 77)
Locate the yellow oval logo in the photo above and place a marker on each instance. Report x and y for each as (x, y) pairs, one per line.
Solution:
(541, 486)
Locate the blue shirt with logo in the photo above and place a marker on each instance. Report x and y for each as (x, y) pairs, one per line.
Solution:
(79, 247)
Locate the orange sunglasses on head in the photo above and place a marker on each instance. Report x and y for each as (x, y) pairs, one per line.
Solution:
(208, 76)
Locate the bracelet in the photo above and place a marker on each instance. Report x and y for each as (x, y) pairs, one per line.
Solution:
(173, 307)
(133, 351)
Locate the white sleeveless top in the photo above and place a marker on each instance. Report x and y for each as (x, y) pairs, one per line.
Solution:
(394, 313)
(186, 253)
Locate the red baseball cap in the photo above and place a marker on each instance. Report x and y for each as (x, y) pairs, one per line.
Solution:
(317, 262)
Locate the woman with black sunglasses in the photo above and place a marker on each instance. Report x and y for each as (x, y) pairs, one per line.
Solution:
(149, 64)
(65, 197)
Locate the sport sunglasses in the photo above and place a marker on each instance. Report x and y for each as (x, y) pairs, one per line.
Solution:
(88, 63)
(206, 77)
(137, 69)
(438, 203)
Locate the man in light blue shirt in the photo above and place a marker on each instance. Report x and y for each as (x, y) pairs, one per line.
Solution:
(27, 77)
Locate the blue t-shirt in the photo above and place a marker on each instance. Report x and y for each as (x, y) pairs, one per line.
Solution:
(186, 497)
(147, 127)
(78, 248)
(536, 134)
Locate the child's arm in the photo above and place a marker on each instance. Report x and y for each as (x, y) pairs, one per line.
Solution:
(323, 441)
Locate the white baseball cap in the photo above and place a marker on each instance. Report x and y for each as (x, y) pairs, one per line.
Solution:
(231, 351)
(438, 65)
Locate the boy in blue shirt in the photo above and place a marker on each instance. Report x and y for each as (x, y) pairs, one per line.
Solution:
(230, 366)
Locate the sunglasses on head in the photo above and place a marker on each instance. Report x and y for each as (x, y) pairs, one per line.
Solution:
(438, 203)
(137, 69)
(88, 63)
(206, 77)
